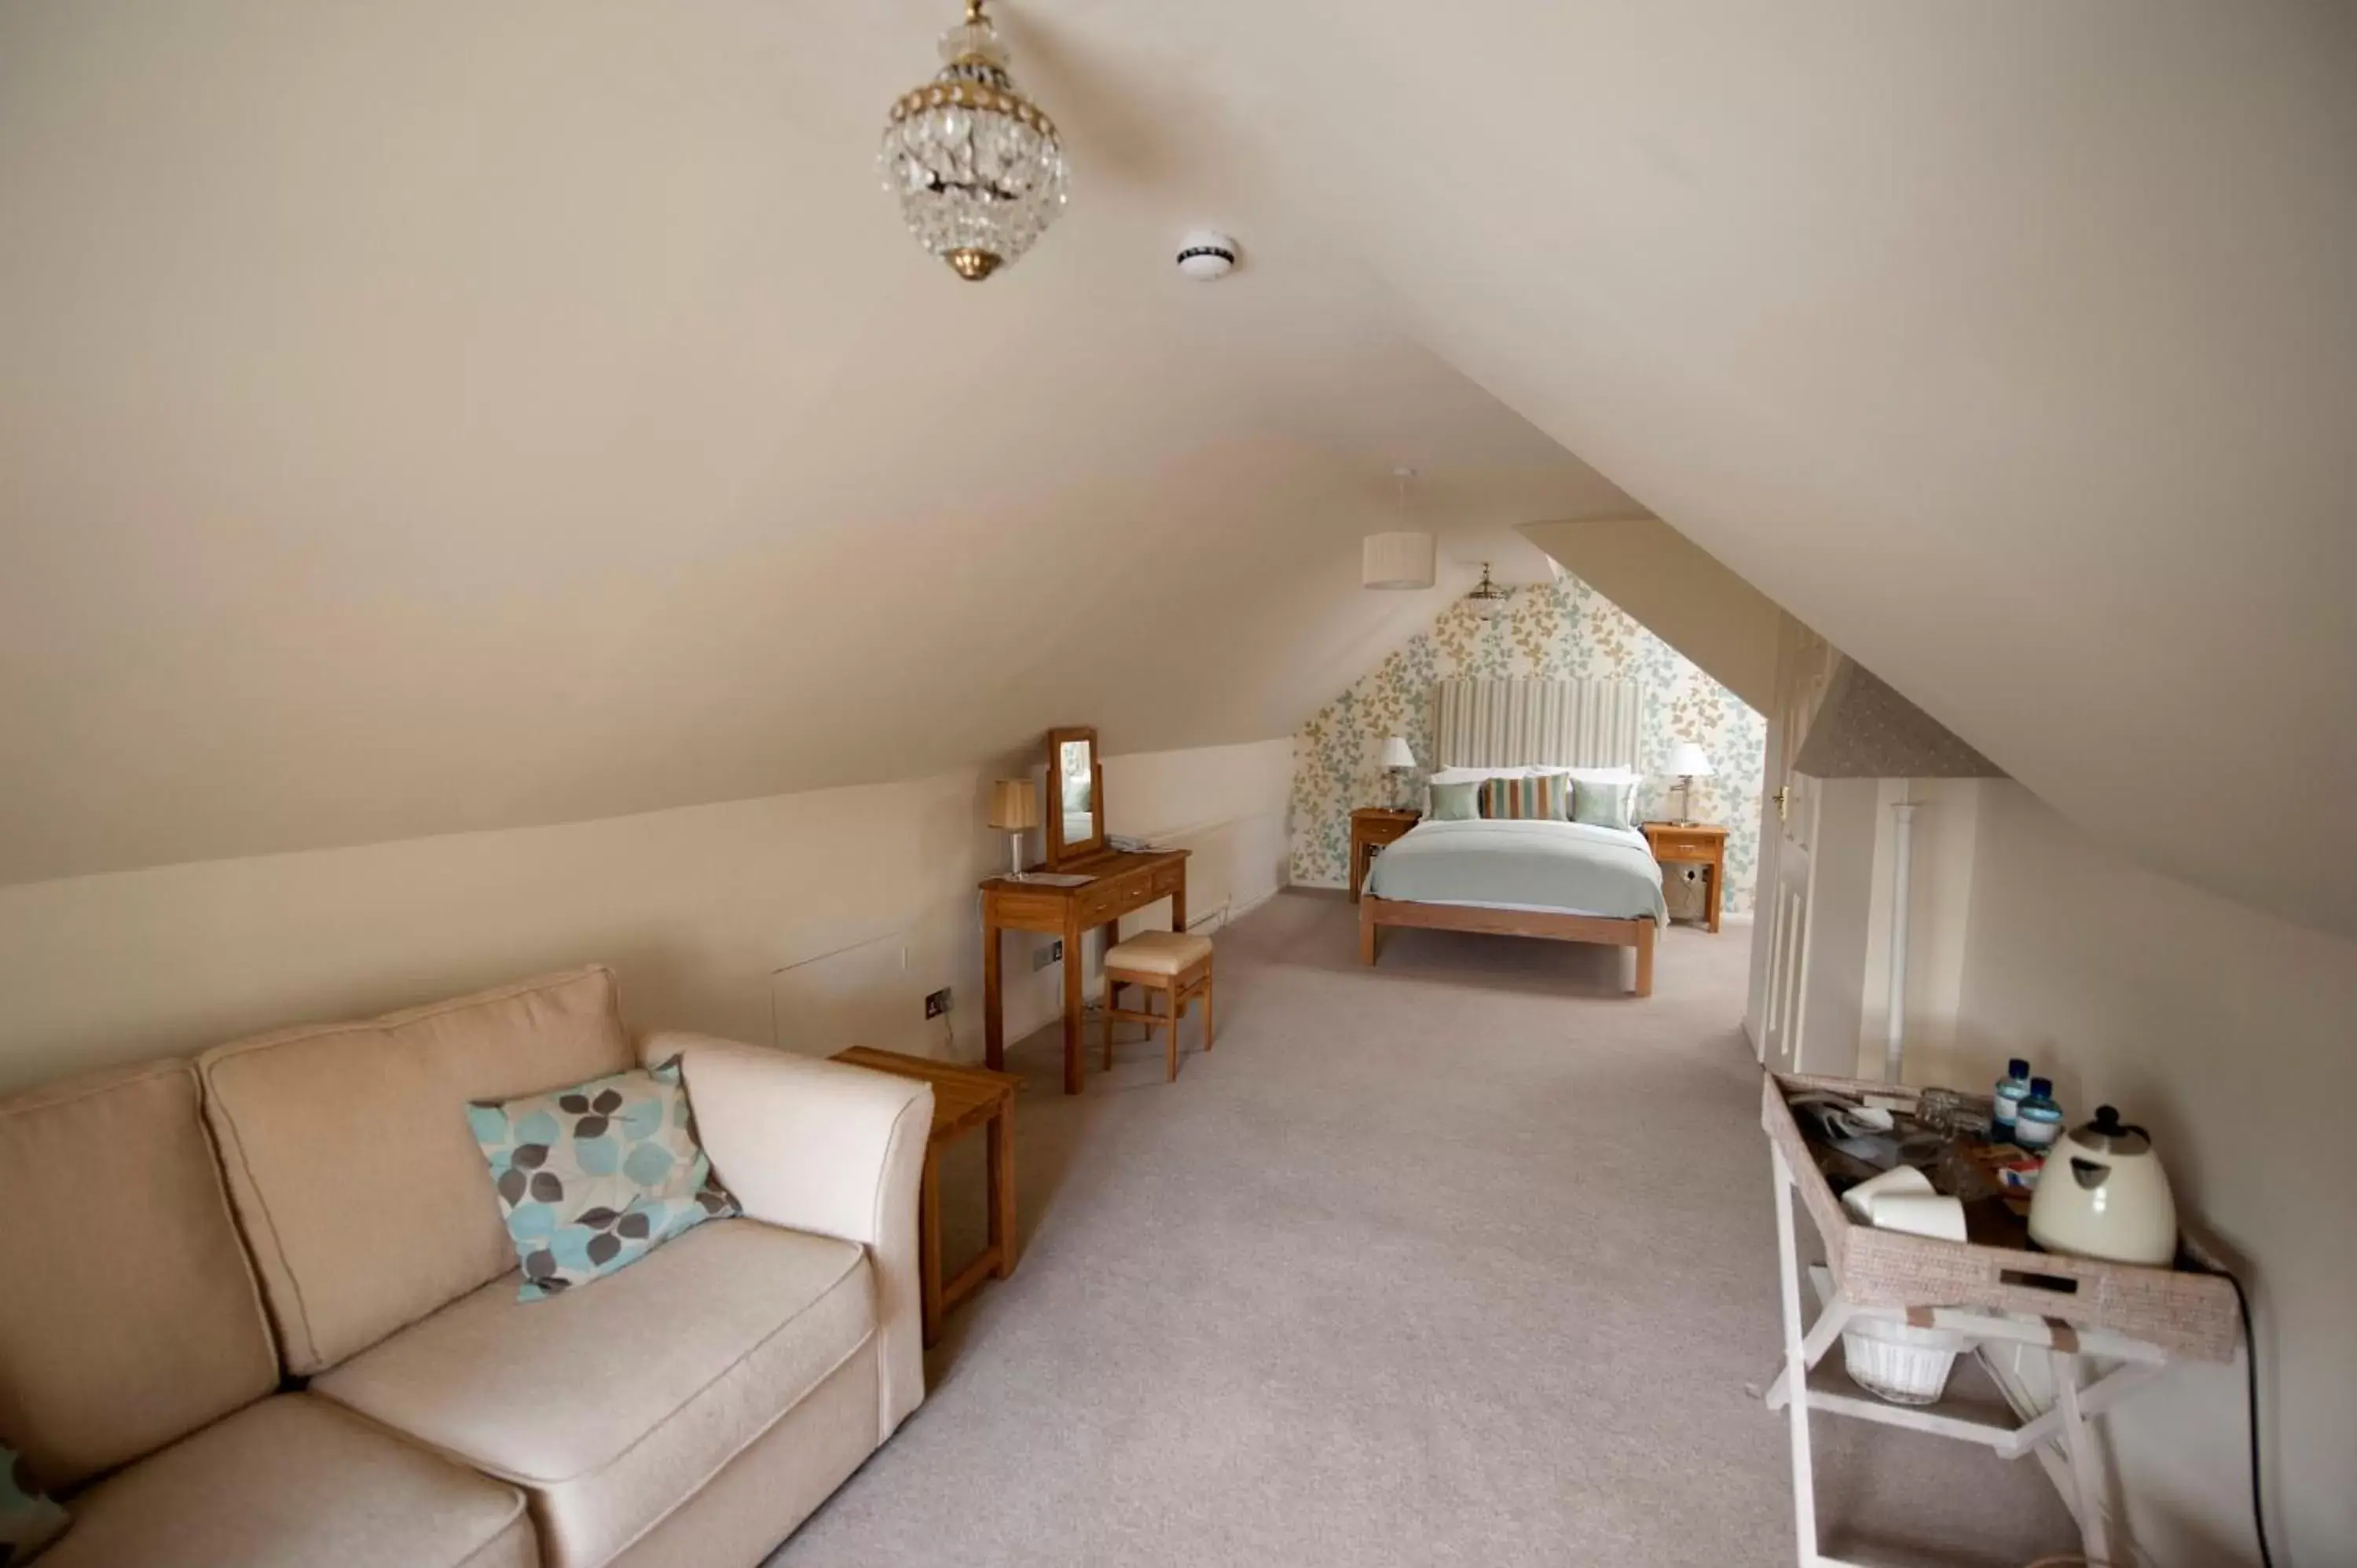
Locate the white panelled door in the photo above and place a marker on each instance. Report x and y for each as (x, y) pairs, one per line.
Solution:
(1804, 666)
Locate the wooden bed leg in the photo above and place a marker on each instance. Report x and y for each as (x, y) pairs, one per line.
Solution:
(1645, 929)
(1366, 929)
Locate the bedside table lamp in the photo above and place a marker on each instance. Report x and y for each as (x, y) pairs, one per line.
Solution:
(1398, 760)
(1014, 810)
(1689, 762)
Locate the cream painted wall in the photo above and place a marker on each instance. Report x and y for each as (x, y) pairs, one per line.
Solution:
(700, 909)
(2229, 1033)
(1939, 915)
(1841, 896)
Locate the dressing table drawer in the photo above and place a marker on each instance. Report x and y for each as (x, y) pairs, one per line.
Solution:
(1167, 880)
(1111, 895)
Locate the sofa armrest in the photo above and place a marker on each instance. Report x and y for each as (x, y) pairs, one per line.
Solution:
(833, 1150)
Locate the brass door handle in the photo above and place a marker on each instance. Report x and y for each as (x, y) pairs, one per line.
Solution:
(1783, 798)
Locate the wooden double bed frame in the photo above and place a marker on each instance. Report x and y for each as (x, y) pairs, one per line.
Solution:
(1549, 722)
(1638, 932)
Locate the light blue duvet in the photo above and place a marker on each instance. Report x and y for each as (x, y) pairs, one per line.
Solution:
(1562, 867)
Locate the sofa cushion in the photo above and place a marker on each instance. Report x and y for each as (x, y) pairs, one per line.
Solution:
(614, 1402)
(295, 1482)
(593, 1177)
(128, 1316)
(778, 1481)
(356, 1177)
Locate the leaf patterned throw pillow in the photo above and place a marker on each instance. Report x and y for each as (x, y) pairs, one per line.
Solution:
(29, 1521)
(593, 1177)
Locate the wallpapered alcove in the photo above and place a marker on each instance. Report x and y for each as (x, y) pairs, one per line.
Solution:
(1554, 629)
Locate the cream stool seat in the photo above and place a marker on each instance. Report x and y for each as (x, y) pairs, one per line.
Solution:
(1173, 963)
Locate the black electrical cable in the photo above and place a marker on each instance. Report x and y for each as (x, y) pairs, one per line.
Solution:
(2251, 1365)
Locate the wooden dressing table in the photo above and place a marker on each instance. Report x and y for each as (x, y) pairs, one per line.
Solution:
(1119, 883)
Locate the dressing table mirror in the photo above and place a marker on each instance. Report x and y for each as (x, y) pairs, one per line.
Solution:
(1075, 797)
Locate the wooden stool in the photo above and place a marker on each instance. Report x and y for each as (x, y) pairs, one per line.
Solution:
(1177, 965)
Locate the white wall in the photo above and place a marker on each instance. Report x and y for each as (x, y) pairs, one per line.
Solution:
(1939, 913)
(2229, 1034)
(698, 910)
(1841, 897)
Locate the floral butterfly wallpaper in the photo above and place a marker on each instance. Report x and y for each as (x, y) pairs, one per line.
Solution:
(1554, 630)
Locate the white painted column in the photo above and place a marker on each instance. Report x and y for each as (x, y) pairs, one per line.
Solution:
(1902, 838)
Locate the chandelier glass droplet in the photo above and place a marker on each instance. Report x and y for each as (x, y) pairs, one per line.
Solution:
(978, 171)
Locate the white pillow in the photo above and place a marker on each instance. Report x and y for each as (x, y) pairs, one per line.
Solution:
(1469, 776)
(1576, 774)
(1474, 775)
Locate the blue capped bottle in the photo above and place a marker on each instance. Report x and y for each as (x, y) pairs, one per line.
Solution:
(2011, 1090)
(2039, 1122)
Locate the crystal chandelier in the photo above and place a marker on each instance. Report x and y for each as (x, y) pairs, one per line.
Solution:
(1489, 598)
(979, 172)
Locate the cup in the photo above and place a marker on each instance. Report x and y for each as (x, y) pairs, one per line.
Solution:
(1859, 1199)
(1919, 1214)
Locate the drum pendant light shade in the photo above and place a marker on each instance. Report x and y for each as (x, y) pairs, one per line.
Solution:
(1397, 561)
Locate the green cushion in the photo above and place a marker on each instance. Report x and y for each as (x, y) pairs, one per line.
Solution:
(1603, 805)
(593, 1177)
(1456, 802)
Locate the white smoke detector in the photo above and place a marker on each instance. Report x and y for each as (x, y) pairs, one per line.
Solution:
(1203, 255)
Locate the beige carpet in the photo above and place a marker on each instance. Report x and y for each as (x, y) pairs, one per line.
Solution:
(1464, 1259)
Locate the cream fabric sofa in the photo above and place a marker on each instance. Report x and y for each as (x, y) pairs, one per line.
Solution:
(262, 1306)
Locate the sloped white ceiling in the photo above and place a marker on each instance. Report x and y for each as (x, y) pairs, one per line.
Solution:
(430, 415)
(2014, 348)
(426, 417)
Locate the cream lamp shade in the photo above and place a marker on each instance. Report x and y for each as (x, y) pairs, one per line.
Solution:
(1397, 561)
(1396, 753)
(1014, 804)
(1689, 760)
(1014, 810)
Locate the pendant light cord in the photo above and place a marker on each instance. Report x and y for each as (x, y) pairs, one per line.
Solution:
(2250, 1366)
(2258, 1492)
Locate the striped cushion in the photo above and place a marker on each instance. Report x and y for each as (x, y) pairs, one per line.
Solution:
(1537, 797)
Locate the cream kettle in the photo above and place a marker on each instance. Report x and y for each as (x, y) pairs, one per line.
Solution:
(2104, 1194)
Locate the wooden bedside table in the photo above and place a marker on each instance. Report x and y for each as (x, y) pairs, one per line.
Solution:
(1372, 827)
(1702, 844)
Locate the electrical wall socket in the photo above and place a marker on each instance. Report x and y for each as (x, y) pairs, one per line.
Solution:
(1052, 953)
(937, 1002)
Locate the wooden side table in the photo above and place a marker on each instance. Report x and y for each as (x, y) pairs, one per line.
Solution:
(1696, 843)
(965, 1097)
(1372, 827)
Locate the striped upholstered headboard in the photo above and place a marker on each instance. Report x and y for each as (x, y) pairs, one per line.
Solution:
(1531, 723)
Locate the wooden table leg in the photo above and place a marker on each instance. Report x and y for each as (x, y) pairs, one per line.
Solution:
(1073, 1067)
(1717, 875)
(994, 1020)
(1001, 1135)
(929, 1237)
(1179, 904)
